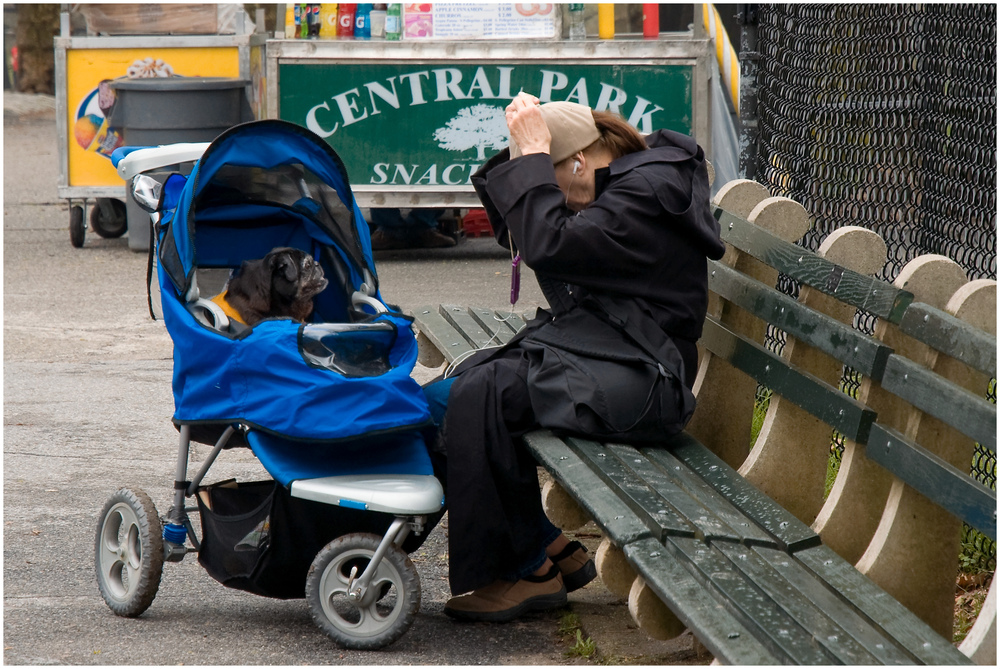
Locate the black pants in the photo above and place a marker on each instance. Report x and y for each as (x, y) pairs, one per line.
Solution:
(496, 526)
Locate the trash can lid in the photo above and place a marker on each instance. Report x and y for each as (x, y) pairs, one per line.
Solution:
(178, 84)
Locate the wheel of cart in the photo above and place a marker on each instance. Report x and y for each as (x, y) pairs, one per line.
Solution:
(108, 218)
(77, 227)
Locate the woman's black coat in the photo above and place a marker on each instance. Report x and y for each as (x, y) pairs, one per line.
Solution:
(640, 249)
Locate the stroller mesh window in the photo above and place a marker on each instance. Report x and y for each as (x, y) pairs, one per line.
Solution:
(289, 187)
(352, 350)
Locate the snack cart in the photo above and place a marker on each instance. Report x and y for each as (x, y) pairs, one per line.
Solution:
(122, 42)
(414, 118)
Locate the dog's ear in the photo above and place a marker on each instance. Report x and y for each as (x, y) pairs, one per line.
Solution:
(284, 275)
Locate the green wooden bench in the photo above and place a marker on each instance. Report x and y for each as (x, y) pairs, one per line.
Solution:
(742, 546)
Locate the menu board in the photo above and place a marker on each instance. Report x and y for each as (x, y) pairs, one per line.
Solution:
(471, 20)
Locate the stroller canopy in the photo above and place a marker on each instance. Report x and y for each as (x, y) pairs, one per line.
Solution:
(346, 373)
(262, 185)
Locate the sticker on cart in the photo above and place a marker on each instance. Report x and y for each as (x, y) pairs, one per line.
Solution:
(92, 129)
(478, 20)
(90, 100)
(418, 21)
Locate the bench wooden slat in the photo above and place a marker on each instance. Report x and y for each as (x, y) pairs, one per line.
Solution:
(791, 532)
(937, 480)
(881, 646)
(873, 295)
(850, 417)
(826, 632)
(465, 323)
(501, 327)
(952, 336)
(613, 516)
(971, 415)
(441, 333)
(646, 502)
(725, 637)
(777, 630)
(874, 603)
(840, 340)
(694, 498)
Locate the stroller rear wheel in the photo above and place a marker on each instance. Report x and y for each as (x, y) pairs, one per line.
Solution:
(128, 552)
(383, 614)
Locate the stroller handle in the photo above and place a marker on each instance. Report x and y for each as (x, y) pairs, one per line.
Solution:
(359, 298)
(136, 160)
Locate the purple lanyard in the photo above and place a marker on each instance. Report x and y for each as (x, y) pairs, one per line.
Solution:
(515, 279)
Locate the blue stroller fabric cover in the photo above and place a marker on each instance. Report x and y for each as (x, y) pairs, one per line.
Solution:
(288, 461)
(346, 374)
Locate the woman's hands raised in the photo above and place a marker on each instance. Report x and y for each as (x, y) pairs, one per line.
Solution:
(526, 125)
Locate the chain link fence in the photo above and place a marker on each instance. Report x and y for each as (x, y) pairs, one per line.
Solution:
(881, 116)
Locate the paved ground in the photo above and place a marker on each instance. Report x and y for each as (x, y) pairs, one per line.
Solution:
(87, 406)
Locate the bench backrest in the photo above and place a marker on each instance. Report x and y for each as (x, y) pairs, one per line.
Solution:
(904, 486)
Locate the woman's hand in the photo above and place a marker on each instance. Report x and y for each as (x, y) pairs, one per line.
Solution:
(527, 127)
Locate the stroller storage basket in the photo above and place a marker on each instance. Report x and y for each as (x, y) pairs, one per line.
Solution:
(258, 538)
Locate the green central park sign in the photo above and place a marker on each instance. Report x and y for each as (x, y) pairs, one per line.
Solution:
(434, 124)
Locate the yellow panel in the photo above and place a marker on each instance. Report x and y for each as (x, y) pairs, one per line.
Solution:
(88, 139)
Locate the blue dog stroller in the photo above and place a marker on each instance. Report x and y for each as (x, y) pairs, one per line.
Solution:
(327, 406)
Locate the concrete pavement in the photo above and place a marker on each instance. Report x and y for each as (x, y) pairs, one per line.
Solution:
(87, 406)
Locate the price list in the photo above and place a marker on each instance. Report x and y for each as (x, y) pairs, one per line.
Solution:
(467, 20)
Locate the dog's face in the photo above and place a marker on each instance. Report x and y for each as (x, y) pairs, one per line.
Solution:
(281, 284)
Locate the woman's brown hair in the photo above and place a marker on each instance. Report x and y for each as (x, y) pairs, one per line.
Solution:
(618, 137)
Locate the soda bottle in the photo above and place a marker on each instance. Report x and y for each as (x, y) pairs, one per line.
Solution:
(577, 29)
(298, 21)
(377, 20)
(290, 20)
(345, 20)
(393, 21)
(606, 20)
(314, 21)
(650, 21)
(328, 21)
(304, 23)
(362, 25)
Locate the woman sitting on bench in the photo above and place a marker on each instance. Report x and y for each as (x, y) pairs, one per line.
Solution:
(617, 228)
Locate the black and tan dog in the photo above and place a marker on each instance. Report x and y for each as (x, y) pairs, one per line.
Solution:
(282, 284)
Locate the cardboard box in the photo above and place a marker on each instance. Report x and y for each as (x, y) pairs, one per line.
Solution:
(159, 19)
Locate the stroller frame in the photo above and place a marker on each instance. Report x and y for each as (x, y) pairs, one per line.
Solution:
(133, 542)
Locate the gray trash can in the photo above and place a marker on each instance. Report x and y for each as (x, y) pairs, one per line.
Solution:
(151, 112)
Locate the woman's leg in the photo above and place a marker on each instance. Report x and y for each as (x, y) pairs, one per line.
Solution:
(496, 524)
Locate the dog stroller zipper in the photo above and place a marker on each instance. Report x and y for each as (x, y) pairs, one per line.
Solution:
(327, 406)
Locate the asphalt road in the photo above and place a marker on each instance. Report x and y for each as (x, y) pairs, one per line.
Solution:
(87, 406)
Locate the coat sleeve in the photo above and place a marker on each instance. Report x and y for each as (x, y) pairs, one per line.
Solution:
(619, 238)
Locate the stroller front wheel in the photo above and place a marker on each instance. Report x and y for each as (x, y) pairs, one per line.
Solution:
(383, 615)
(128, 552)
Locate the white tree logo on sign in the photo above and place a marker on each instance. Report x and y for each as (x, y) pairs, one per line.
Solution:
(479, 127)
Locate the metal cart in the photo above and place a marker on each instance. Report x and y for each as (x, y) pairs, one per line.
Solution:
(86, 175)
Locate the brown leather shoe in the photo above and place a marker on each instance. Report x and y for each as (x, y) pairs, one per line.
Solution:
(429, 238)
(577, 569)
(383, 241)
(502, 601)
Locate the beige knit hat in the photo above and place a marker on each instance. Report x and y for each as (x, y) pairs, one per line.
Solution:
(572, 128)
